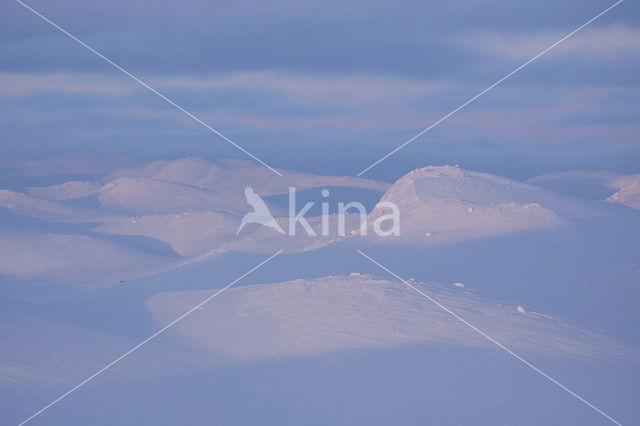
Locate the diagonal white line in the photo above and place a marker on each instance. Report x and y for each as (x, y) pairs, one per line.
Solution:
(500, 345)
(490, 87)
(128, 74)
(162, 330)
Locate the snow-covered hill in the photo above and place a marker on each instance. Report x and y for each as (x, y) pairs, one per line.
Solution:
(328, 314)
(447, 203)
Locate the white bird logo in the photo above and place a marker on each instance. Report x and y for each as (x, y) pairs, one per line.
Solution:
(260, 213)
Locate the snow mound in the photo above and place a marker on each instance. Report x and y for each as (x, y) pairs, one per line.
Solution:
(81, 163)
(628, 196)
(589, 184)
(66, 191)
(25, 205)
(234, 175)
(448, 203)
(74, 259)
(189, 234)
(153, 196)
(310, 317)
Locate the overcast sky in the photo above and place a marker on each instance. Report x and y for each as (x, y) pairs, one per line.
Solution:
(328, 87)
